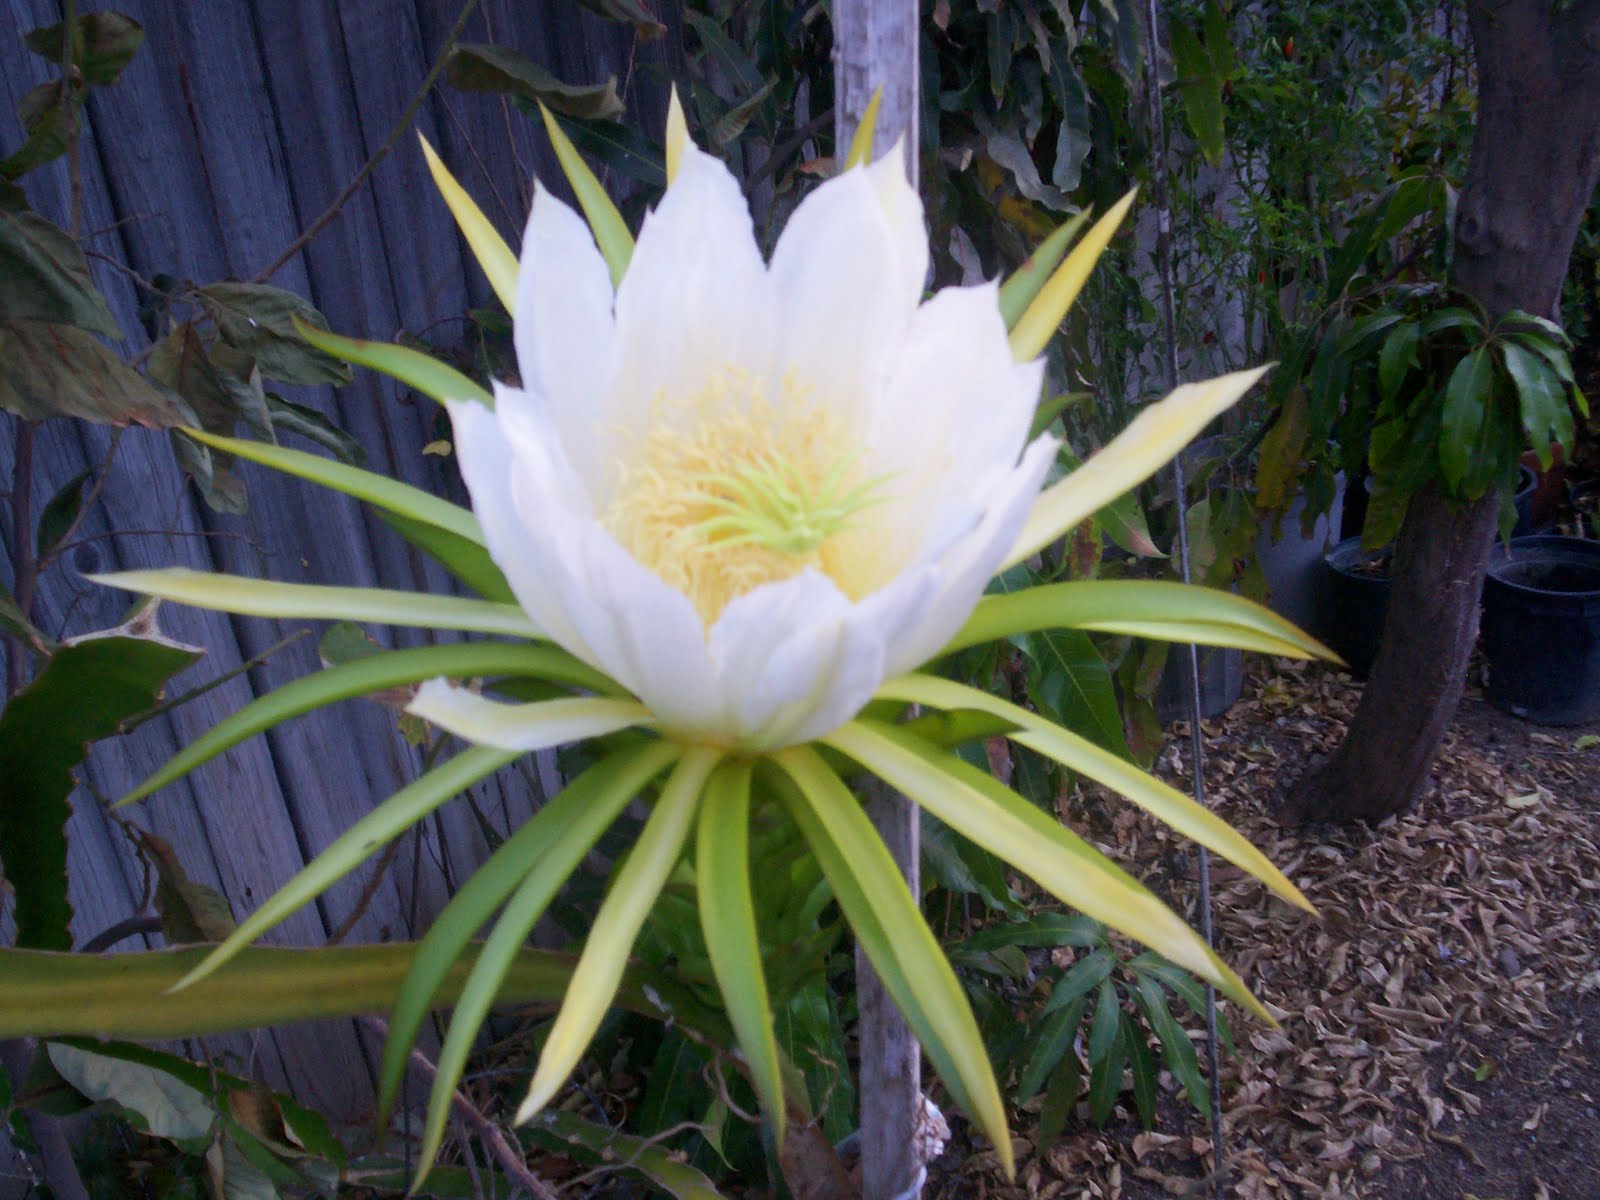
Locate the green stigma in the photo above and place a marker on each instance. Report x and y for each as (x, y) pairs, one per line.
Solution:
(770, 503)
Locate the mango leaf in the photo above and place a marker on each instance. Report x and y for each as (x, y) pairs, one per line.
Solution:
(314, 427)
(49, 116)
(1466, 397)
(259, 320)
(1074, 681)
(1200, 85)
(85, 691)
(1123, 521)
(49, 370)
(59, 514)
(661, 1167)
(159, 1103)
(478, 68)
(44, 276)
(1397, 358)
(1541, 400)
(105, 42)
(1282, 449)
(190, 912)
(221, 384)
(630, 11)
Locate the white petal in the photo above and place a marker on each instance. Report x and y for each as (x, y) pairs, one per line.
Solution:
(526, 727)
(971, 562)
(695, 300)
(848, 280)
(563, 327)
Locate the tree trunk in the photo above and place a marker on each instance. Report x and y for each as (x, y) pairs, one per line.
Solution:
(1535, 162)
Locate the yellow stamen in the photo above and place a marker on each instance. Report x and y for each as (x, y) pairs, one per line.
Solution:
(728, 492)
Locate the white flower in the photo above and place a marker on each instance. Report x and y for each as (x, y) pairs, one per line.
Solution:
(749, 492)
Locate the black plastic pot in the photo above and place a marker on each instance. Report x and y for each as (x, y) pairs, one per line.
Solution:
(1541, 629)
(1527, 485)
(1221, 682)
(1355, 601)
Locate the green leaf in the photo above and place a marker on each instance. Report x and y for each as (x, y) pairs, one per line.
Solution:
(1200, 85)
(1149, 608)
(973, 802)
(635, 887)
(1186, 987)
(1176, 1047)
(480, 68)
(190, 912)
(897, 941)
(522, 911)
(467, 560)
(222, 386)
(1059, 1098)
(728, 920)
(44, 276)
(1143, 1069)
(380, 826)
(375, 489)
(654, 1162)
(1045, 929)
(630, 11)
(1541, 400)
(84, 692)
(610, 232)
(103, 44)
(1282, 451)
(727, 55)
(1088, 973)
(1466, 408)
(314, 427)
(1051, 1042)
(620, 148)
(1123, 521)
(1107, 1055)
(1397, 358)
(622, 774)
(162, 1104)
(59, 514)
(49, 370)
(411, 367)
(264, 322)
(49, 116)
(15, 622)
(1076, 685)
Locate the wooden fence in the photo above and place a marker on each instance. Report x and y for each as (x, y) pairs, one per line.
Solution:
(238, 123)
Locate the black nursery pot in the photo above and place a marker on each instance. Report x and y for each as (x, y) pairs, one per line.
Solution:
(1541, 629)
(1355, 601)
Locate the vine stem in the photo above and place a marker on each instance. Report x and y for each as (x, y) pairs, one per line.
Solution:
(377, 155)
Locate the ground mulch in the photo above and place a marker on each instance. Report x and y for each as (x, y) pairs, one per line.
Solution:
(1440, 1018)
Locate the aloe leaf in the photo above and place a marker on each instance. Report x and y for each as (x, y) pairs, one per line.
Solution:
(488, 247)
(384, 823)
(634, 890)
(363, 677)
(898, 942)
(1148, 608)
(1033, 330)
(265, 598)
(522, 912)
(625, 772)
(1151, 440)
(610, 231)
(1020, 290)
(1076, 753)
(375, 489)
(52, 994)
(411, 367)
(728, 919)
(975, 804)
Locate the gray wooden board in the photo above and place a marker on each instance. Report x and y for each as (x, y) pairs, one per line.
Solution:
(236, 125)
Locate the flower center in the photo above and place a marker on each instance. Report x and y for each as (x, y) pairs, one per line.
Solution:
(727, 492)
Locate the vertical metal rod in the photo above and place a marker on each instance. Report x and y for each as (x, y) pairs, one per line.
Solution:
(875, 46)
(1191, 653)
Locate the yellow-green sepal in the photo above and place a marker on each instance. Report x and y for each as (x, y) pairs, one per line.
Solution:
(1025, 283)
(411, 367)
(610, 231)
(486, 244)
(1040, 319)
(861, 142)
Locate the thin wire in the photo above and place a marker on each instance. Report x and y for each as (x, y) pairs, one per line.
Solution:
(1190, 653)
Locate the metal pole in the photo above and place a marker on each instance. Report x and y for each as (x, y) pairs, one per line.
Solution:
(1190, 653)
